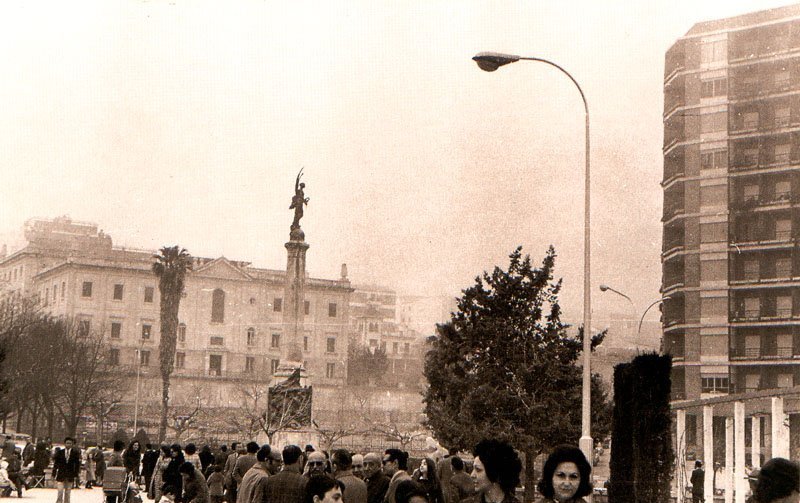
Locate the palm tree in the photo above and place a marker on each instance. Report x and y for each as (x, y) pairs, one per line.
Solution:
(171, 267)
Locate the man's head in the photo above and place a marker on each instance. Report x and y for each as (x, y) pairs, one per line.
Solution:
(457, 463)
(372, 464)
(341, 461)
(291, 455)
(358, 465)
(316, 462)
(394, 460)
(252, 447)
(68, 442)
(698, 464)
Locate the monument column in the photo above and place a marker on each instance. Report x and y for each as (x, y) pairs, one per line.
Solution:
(293, 311)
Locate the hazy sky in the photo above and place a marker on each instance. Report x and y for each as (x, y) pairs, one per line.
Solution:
(186, 122)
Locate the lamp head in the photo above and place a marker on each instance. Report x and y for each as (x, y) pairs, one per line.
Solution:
(604, 288)
(491, 61)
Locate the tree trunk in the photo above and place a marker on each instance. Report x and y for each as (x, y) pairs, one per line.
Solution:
(530, 475)
(51, 418)
(162, 427)
(34, 419)
(19, 418)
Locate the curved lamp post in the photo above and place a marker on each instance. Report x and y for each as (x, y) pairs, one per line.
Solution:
(606, 288)
(489, 62)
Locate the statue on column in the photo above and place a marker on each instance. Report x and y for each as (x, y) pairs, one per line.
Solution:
(298, 201)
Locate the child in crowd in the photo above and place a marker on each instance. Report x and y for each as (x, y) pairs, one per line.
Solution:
(215, 485)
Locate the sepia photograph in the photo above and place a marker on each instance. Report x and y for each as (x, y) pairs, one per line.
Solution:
(400, 252)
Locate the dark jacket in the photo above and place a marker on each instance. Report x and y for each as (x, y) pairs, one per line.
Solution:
(149, 461)
(196, 490)
(171, 475)
(376, 487)
(286, 486)
(67, 469)
(131, 460)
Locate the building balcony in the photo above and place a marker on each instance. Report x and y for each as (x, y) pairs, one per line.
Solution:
(748, 243)
(776, 201)
(776, 317)
(761, 354)
(678, 393)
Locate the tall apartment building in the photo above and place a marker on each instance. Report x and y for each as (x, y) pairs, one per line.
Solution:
(731, 221)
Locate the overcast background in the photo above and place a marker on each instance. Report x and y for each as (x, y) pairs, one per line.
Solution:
(186, 122)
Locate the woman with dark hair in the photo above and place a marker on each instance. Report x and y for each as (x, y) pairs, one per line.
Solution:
(409, 491)
(495, 471)
(427, 477)
(172, 474)
(566, 476)
(323, 489)
(133, 458)
(41, 458)
(778, 482)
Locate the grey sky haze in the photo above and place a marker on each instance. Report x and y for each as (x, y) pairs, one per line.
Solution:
(186, 122)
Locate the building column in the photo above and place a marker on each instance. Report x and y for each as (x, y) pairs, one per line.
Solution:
(739, 481)
(780, 433)
(680, 457)
(728, 460)
(755, 447)
(708, 452)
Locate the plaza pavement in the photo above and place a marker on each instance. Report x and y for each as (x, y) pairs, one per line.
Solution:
(94, 495)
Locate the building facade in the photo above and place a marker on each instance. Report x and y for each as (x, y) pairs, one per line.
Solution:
(731, 225)
(231, 331)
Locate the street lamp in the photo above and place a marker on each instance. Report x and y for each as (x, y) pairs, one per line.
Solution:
(136, 401)
(606, 288)
(489, 62)
(659, 301)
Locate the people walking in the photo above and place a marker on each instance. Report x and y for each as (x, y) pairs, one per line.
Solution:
(395, 464)
(66, 468)
(495, 472)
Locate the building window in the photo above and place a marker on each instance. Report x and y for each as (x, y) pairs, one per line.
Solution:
(63, 289)
(783, 116)
(147, 331)
(113, 356)
(383, 346)
(750, 157)
(55, 289)
(783, 268)
(783, 80)
(714, 384)
(217, 341)
(46, 295)
(182, 332)
(713, 122)
(332, 310)
(149, 291)
(714, 52)
(752, 307)
(118, 292)
(784, 306)
(218, 306)
(406, 348)
(84, 327)
(251, 336)
(180, 360)
(275, 341)
(714, 159)
(331, 347)
(783, 190)
(751, 192)
(751, 268)
(783, 229)
(215, 365)
(273, 365)
(715, 87)
(785, 381)
(305, 343)
(395, 346)
(750, 121)
(250, 364)
(306, 307)
(373, 343)
(277, 305)
(144, 358)
(330, 370)
(116, 330)
(782, 153)
(86, 291)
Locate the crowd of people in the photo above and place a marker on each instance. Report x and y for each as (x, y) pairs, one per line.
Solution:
(253, 473)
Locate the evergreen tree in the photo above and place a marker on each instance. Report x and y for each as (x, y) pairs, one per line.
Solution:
(505, 367)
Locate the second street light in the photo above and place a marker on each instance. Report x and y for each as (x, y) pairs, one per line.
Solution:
(489, 62)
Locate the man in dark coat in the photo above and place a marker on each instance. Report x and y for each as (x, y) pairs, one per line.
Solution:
(377, 481)
(66, 467)
(149, 461)
(288, 485)
(698, 482)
